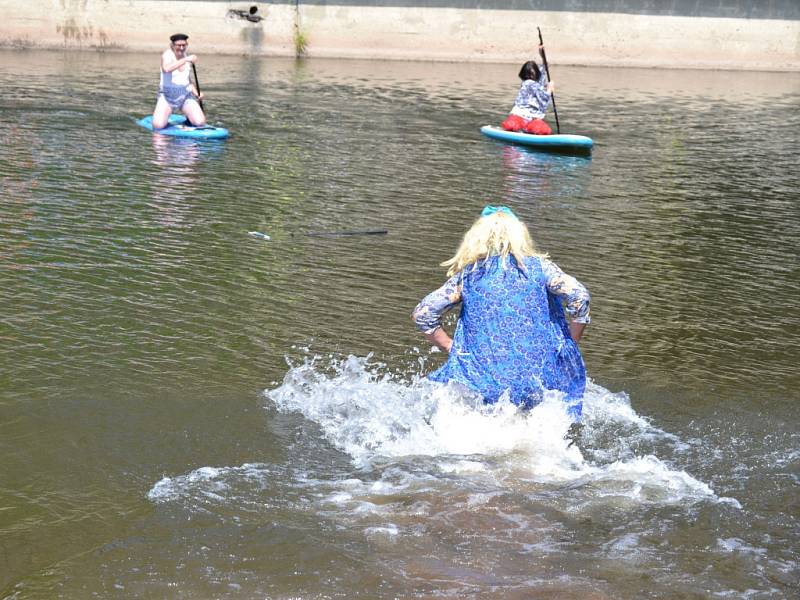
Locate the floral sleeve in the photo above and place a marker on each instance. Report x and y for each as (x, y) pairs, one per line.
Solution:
(536, 95)
(428, 313)
(571, 291)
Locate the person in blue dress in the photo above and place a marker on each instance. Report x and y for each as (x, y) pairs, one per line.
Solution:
(512, 338)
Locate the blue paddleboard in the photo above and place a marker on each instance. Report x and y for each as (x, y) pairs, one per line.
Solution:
(563, 142)
(178, 126)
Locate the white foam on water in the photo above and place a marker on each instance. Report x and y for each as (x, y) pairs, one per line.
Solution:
(387, 530)
(646, 479)
(375, 416)
(169, 488)
(339, 497)
(737, 545)
(415, 434)
(213, 484)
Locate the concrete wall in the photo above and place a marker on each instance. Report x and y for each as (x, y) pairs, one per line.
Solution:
(679, 33)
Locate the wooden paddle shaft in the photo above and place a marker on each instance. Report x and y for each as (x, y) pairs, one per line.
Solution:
(547, 70)
(197, 84)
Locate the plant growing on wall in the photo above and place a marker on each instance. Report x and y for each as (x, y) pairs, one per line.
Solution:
(300, 37)
(300, 42)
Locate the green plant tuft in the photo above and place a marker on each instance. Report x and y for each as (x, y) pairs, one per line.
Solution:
(300, 42)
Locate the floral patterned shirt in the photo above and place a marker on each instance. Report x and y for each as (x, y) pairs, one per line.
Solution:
(512, 338)
(574, 296)
(532, 99)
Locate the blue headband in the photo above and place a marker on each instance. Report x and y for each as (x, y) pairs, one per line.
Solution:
(490, 210)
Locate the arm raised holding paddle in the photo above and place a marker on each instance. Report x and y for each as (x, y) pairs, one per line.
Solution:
(531, 103)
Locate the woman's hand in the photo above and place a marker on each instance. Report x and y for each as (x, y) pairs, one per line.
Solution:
(440, 339)
(576, 331)
(551, 86)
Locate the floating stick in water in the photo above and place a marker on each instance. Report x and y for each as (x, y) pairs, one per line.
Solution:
(338, 233)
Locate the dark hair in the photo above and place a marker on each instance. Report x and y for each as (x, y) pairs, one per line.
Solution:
(530, 70)
(176, 37)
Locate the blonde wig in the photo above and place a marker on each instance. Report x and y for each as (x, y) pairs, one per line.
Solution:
(497, 234)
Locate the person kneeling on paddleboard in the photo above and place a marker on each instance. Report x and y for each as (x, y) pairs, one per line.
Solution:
(176, 91)
(512, 336)
(532, 101)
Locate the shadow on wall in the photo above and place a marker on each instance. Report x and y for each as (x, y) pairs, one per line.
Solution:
(75, 34)
(253, 36)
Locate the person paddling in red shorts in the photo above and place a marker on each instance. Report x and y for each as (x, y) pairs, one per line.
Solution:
(532, 101)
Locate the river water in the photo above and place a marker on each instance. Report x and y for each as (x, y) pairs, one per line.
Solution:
(189, 412)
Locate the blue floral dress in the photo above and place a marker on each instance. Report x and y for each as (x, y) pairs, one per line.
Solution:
(512, 335)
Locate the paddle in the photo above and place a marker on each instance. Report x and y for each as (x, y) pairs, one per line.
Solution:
(547, 70)
(339, 233)
(264, 236)
(197, 85)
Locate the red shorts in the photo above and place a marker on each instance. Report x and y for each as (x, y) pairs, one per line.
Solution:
(517, 123)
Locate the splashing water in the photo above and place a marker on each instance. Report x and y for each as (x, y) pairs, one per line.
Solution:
(374, 416)
(407, 434)
(433, 477)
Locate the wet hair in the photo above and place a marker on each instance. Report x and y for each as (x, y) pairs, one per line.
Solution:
(178, 37)
(498, 234)
(530, 70)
